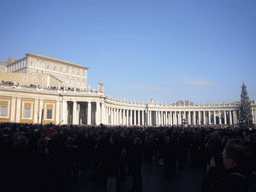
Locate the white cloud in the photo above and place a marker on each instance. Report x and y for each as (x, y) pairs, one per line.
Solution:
(198, 81)
(154, 88)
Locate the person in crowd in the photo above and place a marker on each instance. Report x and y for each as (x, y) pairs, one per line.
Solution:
(56, 155)
(214, 146)
(148, 148)
(136, 161)
(41, 158)
(224, 141)
(42, 168)
(180, 150)
(20, 162)
(112, 162)
(236, 172)
(169, 155)
(128, 147)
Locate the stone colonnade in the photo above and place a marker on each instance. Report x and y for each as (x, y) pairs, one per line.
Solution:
(96, 112)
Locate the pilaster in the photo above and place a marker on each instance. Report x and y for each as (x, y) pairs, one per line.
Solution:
(13, 109)
(36, 111)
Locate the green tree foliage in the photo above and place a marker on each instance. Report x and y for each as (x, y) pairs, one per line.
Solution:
(245, 109)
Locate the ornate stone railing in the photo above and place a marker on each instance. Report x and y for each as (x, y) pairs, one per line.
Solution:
(52, 91)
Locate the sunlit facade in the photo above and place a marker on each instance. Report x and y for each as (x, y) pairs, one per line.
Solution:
(39, 89)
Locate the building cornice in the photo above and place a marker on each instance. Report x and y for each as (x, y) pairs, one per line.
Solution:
(55, 60)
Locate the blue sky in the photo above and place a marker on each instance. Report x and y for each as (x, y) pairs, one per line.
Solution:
(173, 50)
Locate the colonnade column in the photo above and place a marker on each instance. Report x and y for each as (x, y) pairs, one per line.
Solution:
(170, 117)
(230, 118)
(74, 112)
(194, 117)
(175, 118)
(139, 117)
(220, 118)
(63, 111)
(179, 118)
(214, 118)
(156, 117)
(135, 118)
(109, 115)
(225, 117)
(115, 116)
(149, 118)
(189, 118)
(209, 117)
(112, 116)
(148, 123)
(166, 118)
(103, 119)
(131, 116)
(161, 117)
(123, 117)
(89, 113)
(235, 117)
(199, 117)
(118, 117)
(143, 117)
(204, 117)
(127, 117)
(123, 122)
(97, 113)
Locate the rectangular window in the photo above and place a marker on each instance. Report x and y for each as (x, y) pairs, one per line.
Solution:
(34, 79)
(25, 78)
(44, 79)
(61, 69)
(49, 113)
(3, 111)
(27, 113)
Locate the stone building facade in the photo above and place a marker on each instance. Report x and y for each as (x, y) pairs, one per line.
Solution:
(79, 105)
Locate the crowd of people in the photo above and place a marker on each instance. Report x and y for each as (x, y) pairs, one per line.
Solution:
(48, 157)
